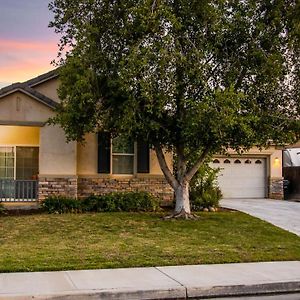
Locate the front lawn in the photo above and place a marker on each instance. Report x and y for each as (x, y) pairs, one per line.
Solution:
(114, 240)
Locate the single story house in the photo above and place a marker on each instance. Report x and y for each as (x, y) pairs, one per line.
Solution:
(36, 161)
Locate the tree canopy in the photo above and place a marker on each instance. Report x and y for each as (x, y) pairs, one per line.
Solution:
(196, 77)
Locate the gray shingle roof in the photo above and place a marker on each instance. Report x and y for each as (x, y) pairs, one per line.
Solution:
(26, 88)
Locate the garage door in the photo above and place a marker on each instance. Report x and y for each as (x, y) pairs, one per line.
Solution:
(242, 177)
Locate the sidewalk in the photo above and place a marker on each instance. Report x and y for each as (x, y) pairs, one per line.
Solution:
(180, 282)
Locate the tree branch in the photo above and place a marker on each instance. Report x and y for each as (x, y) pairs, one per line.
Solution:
(164, 167)
(191, 172)
(153, 6)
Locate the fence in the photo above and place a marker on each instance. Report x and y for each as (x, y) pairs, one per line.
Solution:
(18, 190)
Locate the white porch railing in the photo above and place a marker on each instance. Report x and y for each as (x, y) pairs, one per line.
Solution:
(18, 190)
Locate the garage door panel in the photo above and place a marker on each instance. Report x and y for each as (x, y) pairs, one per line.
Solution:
(246, 179)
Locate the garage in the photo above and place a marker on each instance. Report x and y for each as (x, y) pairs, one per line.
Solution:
(242, 177)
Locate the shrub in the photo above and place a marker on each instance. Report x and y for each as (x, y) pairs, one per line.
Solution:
(61, 204)
(2, 209)
(129, 201)
(204, 190)
(112, 202)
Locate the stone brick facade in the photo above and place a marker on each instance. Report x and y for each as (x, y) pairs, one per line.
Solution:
(81, 187)
(63, 186)
(276, 188)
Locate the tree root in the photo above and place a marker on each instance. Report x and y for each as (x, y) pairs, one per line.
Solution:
(181, 215)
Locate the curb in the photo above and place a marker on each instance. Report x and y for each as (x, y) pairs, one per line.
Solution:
(169, 294)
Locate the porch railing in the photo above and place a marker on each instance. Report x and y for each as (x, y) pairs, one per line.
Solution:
(18, 190)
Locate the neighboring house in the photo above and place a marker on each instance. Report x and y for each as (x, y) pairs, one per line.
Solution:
(36, 161)
(291, 171)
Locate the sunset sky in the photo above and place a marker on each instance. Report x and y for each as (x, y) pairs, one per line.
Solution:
(27, 45)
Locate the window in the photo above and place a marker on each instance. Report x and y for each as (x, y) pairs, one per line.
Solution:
(27, 163)
(19, 163)
(216, 161)
(226, 161)
(237, 161)
(122, 156)
(7, 162)
(248, 161)
(258, 162)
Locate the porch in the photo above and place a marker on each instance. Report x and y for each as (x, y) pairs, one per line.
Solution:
(19, 163)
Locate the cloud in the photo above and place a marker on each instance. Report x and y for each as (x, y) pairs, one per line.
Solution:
(22, 60)
(3, 84)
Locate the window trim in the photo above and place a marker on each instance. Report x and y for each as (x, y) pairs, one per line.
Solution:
(134, 154)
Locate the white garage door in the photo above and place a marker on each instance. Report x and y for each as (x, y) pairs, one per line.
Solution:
(242, 177)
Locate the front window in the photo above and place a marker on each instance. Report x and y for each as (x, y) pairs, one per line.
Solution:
(7, 158)
(20, 163)
(122, 156)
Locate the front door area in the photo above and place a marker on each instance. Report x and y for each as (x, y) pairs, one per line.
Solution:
(19, 167)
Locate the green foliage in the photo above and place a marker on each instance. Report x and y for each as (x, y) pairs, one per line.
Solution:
(129, 202)
(214, 74)
(61, 204)
(113, 202)
(204, 191)
(2, 209)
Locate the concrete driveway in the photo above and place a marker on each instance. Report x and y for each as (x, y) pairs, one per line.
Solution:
(283, 214)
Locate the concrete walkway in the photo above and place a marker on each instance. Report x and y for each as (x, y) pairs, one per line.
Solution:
(182, 282)
(284, 214)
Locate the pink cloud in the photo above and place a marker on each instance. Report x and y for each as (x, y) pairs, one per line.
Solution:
(11, 45)
(22, 60)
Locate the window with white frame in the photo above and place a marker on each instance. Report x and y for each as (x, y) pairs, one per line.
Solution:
(21, 163)
(122, 156)
(7, 163)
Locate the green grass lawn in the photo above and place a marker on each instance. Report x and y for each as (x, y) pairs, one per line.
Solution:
(113, 240)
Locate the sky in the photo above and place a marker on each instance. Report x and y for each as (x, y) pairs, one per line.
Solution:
(27, 45)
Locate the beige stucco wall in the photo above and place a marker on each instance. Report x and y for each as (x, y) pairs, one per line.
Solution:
(274, 157)
(19, 135)
(154, 164)
(57, 157)
(49, 89)
(19, 107)
(87, 158)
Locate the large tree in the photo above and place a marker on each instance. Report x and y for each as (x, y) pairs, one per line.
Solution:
(195, 77)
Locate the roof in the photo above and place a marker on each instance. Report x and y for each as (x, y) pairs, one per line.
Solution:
(27, 88)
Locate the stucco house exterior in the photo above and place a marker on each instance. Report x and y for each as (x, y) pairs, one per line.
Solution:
(36, 161)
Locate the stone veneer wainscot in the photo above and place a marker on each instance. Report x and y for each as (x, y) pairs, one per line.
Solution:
(84, 186)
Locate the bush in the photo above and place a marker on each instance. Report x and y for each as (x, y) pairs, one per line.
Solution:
(2, 209)
(113, 202)
(204, 190)
(61, 204)
(130, 202)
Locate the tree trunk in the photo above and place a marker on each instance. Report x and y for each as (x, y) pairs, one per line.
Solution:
(182, 199)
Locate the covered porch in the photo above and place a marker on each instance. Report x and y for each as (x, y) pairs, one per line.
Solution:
(19, 163)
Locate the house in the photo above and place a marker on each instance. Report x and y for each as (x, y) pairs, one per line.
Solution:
(36, 161)
(291, 171)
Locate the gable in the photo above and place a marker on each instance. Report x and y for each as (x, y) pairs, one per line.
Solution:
(48, 88)
(19, 108)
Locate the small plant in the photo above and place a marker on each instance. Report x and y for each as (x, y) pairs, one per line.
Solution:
(2, 209)
(61, 204)
(204, 191)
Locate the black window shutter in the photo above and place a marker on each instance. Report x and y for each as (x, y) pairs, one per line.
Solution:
(103, 153)
(143, 156)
